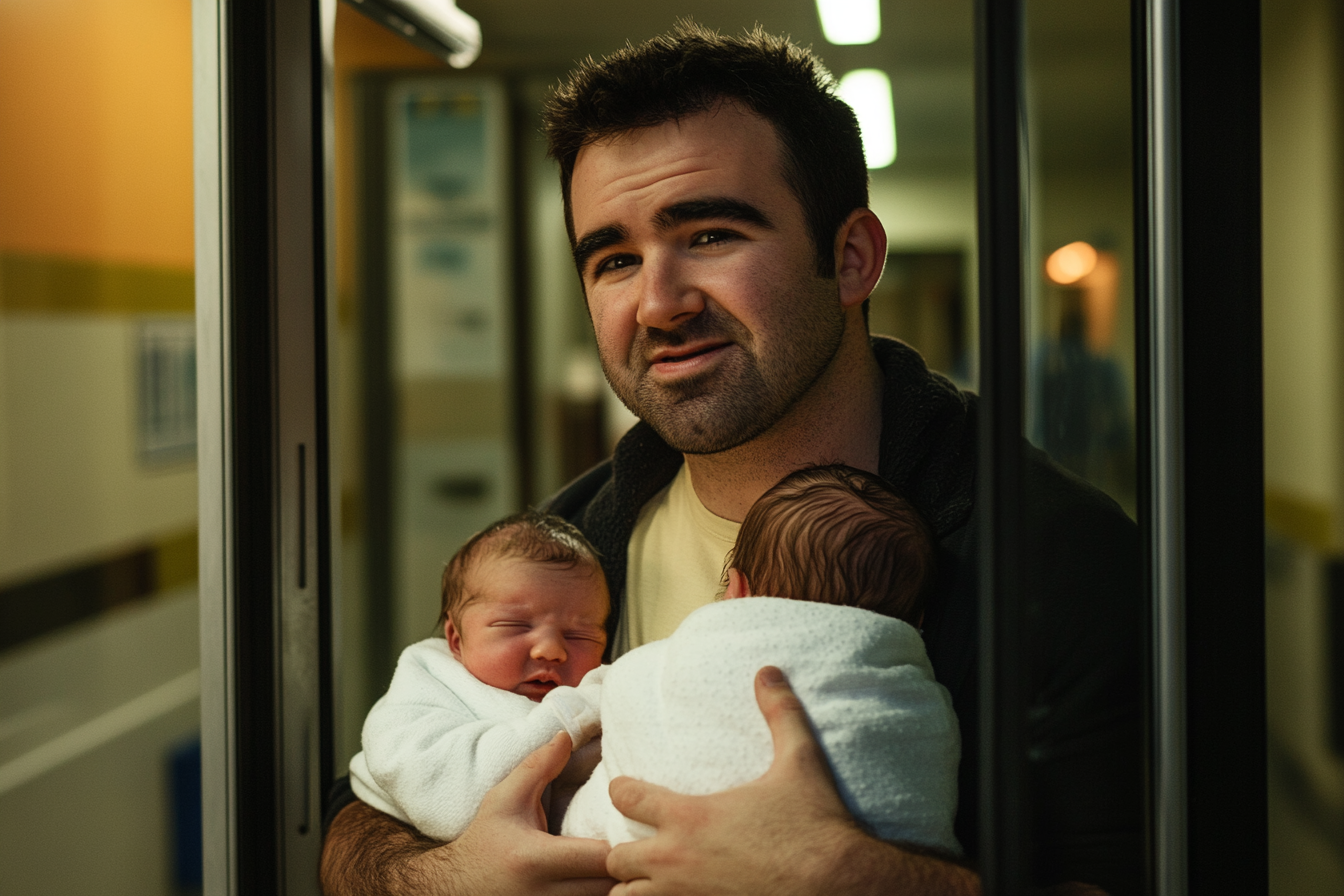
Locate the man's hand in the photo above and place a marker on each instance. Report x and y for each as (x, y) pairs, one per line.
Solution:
(505, 851)
(785, 833)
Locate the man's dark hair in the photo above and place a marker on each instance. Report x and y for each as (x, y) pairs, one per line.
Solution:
(692, 69)
(528, 535)
(837, 535)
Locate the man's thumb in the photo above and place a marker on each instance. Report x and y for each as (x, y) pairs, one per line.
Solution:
(522, 788)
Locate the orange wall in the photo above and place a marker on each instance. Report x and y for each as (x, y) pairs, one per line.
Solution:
(95, 130)
(95, 127)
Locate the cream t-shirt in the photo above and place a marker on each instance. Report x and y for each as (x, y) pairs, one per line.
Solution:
(674, 562)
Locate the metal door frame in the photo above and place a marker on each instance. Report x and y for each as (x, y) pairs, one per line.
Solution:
(1196, 100)
(262, 144)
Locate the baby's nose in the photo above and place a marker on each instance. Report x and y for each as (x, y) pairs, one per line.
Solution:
(549, 646)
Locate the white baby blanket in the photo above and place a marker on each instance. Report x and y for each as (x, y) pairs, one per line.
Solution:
(439, 738)
(682, 713)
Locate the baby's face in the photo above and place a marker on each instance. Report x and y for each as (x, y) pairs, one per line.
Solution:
(533, 627)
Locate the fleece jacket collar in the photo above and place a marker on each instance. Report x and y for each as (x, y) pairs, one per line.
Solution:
(927, 450)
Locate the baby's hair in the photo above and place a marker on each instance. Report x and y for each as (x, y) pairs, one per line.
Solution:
(833, 534)
(527, 535)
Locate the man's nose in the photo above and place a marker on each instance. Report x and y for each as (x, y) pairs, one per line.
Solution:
(549, 646)
(668, 298)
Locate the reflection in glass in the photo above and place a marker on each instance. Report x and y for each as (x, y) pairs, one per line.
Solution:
(1079, 266)
(1081, 564)
(1083, 416)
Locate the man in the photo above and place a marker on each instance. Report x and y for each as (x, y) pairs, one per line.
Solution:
(716, 199)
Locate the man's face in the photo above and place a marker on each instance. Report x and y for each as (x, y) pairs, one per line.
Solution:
(700, 276)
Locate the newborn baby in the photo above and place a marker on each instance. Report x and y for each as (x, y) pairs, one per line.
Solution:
(848, 561)
(524, 606)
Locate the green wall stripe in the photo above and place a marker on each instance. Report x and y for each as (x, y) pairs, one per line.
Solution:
(48, 283)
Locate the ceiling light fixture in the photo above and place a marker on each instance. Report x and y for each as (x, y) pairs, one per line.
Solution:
(850, 21)
(868, 92)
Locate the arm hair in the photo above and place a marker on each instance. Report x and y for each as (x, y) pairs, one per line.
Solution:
(369, 853)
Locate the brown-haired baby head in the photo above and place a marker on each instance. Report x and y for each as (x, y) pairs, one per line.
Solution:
(528, 535)
(838, 535)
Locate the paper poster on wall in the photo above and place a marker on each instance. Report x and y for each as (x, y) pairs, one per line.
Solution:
(165, 360)
(447, 234)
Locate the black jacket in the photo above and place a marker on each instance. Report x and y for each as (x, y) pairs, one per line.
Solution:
(1082, 582)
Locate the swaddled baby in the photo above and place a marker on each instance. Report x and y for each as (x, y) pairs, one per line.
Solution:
(848, 561)
(523, 610)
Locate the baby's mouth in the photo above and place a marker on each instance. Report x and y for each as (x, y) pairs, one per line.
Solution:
(536, 688)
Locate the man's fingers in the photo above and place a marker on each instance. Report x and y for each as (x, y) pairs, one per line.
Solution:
(640, 800)
(573, 857)
(795, 744)
(522, 788)
(629, 861)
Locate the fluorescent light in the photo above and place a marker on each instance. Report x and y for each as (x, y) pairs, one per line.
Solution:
(434, 25)
(868, 92)
(850, 21)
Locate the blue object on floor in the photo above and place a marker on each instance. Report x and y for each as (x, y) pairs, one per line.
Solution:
(184, 792)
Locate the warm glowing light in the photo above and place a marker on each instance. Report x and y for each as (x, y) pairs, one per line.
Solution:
(868, 92)
(850, 21)
(1071, 263)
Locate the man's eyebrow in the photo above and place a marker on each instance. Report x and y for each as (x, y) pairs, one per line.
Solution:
(595, 242)
(721, 207)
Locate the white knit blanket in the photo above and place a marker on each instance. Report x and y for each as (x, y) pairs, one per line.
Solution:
(439, 738)
(682, 713)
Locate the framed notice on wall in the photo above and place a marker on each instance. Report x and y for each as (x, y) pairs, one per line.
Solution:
(165, 358)
(448, 230)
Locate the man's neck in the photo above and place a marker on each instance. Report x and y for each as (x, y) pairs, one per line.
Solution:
(839, 420)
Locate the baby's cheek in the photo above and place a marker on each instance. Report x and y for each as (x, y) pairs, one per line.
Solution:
(581, 663)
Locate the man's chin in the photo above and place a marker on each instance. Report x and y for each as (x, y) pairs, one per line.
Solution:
(689, 437)
(703, 414)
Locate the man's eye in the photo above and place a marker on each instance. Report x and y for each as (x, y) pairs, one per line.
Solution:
(713, 236)
(615, 263)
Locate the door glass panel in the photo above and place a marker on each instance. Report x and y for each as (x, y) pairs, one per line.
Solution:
(1079, 314)
(441, 428)
(99, 682)
(367, 438)
(1085, 618)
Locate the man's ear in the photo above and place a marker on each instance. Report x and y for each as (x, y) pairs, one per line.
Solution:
(738, 586)
(860, 253)
(454, 638)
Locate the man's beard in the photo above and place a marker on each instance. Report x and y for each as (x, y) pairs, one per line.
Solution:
(743, 395)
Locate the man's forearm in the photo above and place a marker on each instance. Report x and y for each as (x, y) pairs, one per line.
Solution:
(505, 850)
(878, 868)
(368, 853)
(870, 866)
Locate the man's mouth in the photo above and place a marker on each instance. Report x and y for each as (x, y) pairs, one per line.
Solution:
(674, 358)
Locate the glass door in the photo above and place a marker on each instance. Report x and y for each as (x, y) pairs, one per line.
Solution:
(1109, 176)
(1072, 212)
